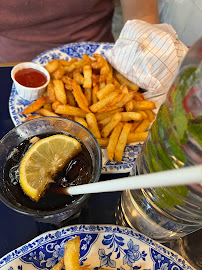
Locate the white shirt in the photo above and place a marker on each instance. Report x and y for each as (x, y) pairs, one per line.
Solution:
(185, 16)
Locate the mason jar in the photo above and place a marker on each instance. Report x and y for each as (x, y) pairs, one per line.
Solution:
(174, 141)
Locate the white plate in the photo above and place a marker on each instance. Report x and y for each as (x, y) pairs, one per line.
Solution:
(76, 50)
(106, 246)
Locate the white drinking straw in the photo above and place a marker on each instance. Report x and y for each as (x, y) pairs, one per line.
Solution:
(175, 177)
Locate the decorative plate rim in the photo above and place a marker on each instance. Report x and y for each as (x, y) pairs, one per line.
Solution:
(72, 44)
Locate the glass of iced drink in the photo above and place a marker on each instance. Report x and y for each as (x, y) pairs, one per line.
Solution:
(174, 141)
(53, 206)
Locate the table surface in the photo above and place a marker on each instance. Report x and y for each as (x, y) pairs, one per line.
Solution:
(100, 208)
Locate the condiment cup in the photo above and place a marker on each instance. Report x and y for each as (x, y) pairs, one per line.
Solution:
(29, 93)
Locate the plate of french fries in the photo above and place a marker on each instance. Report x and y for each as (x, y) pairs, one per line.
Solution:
(84, 87)
(88, 247)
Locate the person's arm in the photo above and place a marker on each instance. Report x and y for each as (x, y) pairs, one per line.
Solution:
(144, 10)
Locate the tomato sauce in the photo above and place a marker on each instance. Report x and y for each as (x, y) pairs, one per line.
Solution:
(30, 77)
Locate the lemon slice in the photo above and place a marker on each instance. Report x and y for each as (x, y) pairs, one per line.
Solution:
(43, 160)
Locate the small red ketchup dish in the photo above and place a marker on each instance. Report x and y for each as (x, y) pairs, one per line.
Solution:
(30, 80)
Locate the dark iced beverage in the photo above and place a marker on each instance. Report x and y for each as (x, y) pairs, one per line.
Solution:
(53, 207)
(76, 172)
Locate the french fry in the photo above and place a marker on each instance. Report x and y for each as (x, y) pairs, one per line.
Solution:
(118, 99)
(104, 122)
(52, 65)
(67, 80)
(143, 113)
(70, 110)
(58, 73)
(59, 265)
(103, 142)
(36, 105)
(101, 116)
(45, 112)
(116, 83)
(105, 91)
(87, 60)
(77, 64)
(78, 77)
(101, 85)
(55, 104)
(150, 115)
(88, 95)
(81, 121)
(67, 116)
(66, 63)
(104, 71)
(137, 137)
(68, 87)
(124, 89)
(70, 260)
(102, 103)
(48, 107)
(135, 125)
(73, 65)
(80, 97)
(143, 105)
(51, 92)
(31, 116)
(143, 126)
(123, 80)
(70, 99)
(71, 254)
(113, 140)
(92, 125)
(103, 65)
(138, 96)
(129, 106)
(126, 98)
(46, 96)
(87, 72)
(122, 142)
(109, 77)
(128, 116)
(95, 78)
(60, 91)
(111, 125)
(94, 94)
(100, 61)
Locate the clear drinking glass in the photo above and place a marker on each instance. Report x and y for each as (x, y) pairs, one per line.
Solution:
(174, 141)
(34, 128)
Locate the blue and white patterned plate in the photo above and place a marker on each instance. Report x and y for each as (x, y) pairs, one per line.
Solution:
(76, 50)
(102, 246)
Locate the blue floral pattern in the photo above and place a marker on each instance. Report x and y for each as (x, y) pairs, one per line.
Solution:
(126, 165)
(48, 255)
(102, 246)
(116, 243)
(75, 50)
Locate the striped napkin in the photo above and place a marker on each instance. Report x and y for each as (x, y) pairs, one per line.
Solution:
(148, 55)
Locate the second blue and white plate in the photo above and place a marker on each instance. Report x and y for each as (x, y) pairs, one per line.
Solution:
(102, 246)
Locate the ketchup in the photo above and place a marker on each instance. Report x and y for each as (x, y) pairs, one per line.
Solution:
(30, 77)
